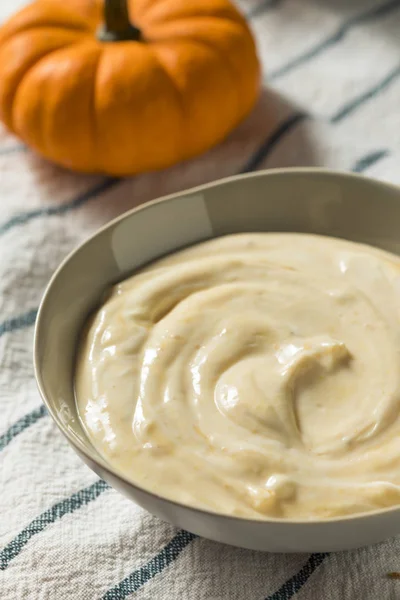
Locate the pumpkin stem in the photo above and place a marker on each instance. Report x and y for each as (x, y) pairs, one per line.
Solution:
(117, 26)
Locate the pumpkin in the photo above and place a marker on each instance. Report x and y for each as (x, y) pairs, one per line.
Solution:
(106, 86)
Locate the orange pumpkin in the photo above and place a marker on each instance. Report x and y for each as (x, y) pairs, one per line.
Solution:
(123, 99)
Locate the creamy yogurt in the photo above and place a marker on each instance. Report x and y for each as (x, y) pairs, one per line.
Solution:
(255, 375)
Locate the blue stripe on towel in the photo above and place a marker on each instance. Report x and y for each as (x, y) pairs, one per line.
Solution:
(272, 140)
(14, 324)
(60, 209)
(57, 511)
(22, 424)
(154, 567)
(262, 7)
(369, 160)
(21, 322)
(374, 13)
(295, 583)
(374, 91)
(12, 149)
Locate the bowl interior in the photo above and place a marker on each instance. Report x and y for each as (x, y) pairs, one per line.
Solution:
(308, 200)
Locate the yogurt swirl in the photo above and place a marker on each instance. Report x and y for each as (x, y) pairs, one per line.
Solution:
(256, 375)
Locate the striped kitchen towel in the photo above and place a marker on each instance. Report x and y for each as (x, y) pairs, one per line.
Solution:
(332, 68)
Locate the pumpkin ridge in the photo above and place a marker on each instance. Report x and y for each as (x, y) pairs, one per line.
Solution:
(95, 128)
(220, 55)
(44, 28)
(71, 17)
(227, 12)
(201, 21)
(235, 73)
(51, 53)
(178, 94)
(90, 11)
(179, 18)
(7, 30)
(34, 27)
(9, 118)
(189, 152)
(14, 104)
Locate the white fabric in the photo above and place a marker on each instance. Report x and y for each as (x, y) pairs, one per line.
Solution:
(57, 547)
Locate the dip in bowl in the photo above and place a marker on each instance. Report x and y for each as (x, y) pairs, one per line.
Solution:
(257, 407)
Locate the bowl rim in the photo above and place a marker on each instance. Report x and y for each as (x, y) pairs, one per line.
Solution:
(85, 449)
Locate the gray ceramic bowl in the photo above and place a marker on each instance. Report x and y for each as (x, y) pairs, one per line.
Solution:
(301, 200)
